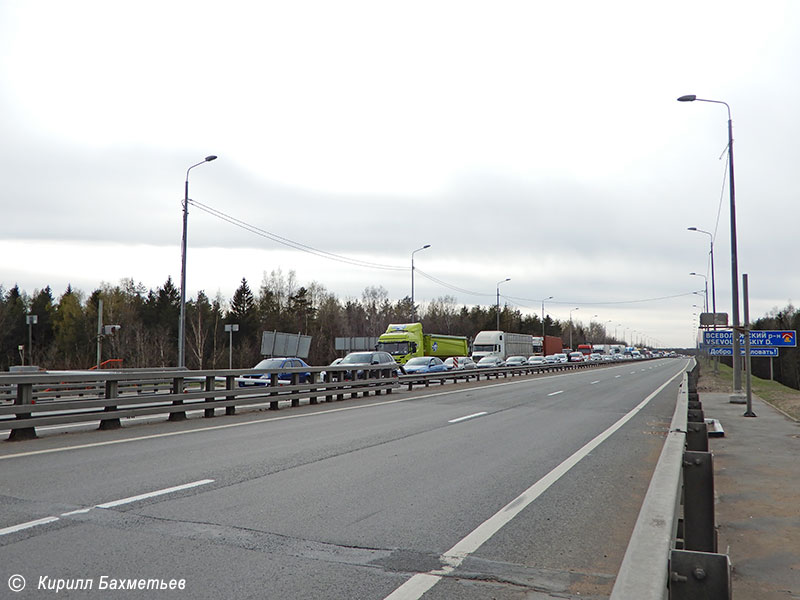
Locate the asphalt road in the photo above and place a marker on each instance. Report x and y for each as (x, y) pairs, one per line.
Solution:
(519, 488)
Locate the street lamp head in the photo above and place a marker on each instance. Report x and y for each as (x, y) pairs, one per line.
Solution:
(210, 158)
(426, 246)
(688, 98)
(692, 228)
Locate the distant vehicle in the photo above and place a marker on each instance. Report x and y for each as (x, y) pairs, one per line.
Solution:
(459, 363)
(562, 358)
(608, 357)
(537, 360)
(425, 364)
(551, 359)
(404, 341)
(365, 361)
(516, 361)
(576, 357)
(501, 343)
(274, 364)
(491, 361)
(595, 357)
(585, 349)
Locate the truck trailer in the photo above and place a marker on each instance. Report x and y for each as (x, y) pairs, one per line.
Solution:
(501, 343)
(406, 340)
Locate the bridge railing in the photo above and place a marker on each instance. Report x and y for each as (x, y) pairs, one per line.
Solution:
(56, 398)
(672, 553)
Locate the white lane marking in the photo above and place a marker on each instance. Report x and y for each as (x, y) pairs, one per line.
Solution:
(45, 520)
(177, 488)
(556, 393)
(617, 376)
(266, 420)
(594, 382)
(28, 525)
(472, 416)
(415, 588)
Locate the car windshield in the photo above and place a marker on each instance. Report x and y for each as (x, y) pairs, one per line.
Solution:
(488, 359)
(357, 358)
(419, 360)
(270, 363)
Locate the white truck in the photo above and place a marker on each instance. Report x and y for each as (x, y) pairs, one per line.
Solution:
(502, 344)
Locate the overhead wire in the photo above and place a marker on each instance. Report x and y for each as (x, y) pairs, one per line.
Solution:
(366, 264)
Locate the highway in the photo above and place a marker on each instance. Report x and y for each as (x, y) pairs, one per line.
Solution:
(523, 488)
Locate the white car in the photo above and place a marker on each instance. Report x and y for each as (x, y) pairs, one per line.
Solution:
(561, 357)
(516, 361)
(460, 362)
(576, 357)
(537, 360)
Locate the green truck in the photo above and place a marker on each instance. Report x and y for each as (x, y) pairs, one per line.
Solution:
(406, 340)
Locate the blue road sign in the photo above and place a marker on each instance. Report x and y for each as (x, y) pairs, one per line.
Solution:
(763, 339)
(728, 351)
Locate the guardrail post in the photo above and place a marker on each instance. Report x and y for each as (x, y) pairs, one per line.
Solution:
(295, 381)
(273, 383)
(314, 379)
(695, 575)
(698, 502)
(697, 437)
(24, 396)
(210, 385)
(177, 388)
(230, 384)
(111, 391)
(328, 378)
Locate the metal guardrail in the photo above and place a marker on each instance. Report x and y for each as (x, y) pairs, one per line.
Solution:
(41, 399)
(456, 375)
(672, 551)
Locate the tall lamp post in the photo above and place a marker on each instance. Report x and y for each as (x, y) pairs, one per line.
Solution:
(413, 306)
(497, 310)
(706, 292)
(543, 299)
(570, 325)
(737, 367)
(182, 321)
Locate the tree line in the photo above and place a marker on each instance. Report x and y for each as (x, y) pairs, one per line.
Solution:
(66, 333)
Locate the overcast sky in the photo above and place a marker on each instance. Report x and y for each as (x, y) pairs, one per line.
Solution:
(537, 141)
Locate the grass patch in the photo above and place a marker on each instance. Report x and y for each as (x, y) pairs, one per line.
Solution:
(772, 392)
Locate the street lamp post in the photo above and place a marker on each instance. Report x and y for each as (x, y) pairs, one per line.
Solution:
(182, 320)
(543, 299)
(498, 300)
(737, 368)
(570, 326)
(413, 306)
(706, 292)
(713, 285)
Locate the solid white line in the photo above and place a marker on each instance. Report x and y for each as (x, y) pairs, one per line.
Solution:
(414, 588)
(44, 521)
(459, 419)
(177, 488)
(28, 525)
(556, 393)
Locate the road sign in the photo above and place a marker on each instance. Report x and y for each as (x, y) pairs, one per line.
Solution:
(763, 339)
(728, 351)
(711, 319)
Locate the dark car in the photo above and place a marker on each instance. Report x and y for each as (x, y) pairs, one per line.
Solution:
(274, 364)
(366, 361)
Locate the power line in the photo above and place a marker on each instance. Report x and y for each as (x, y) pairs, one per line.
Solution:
(291, 243)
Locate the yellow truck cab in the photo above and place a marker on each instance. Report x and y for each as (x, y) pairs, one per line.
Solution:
(407, 340)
